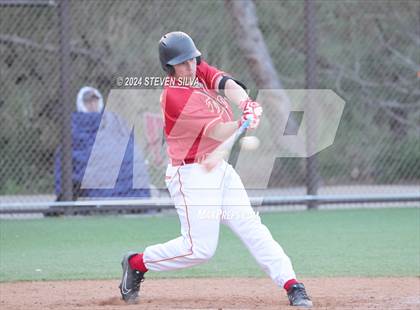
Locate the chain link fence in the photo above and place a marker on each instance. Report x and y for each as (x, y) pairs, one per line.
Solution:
(365, 51)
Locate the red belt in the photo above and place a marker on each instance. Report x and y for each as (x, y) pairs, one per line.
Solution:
(183, 162)
(187, 161)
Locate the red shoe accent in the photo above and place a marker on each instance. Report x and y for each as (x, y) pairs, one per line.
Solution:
(289, 284)
(136, 262)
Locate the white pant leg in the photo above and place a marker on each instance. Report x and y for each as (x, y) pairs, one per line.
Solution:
(256, 236)
(196, 198)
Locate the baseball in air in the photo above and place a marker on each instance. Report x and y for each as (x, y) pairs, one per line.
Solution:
(249, 143)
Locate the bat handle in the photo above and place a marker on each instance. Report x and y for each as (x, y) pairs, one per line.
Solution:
(248, 121)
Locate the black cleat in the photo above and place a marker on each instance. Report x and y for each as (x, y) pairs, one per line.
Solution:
(298, 297)
(130, 282)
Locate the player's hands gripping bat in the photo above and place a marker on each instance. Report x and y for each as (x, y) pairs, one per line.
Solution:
(251, 109)
(223, 149)
(250, 118)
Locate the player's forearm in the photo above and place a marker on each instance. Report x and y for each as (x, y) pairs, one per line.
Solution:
(222, 131)
(234, 92)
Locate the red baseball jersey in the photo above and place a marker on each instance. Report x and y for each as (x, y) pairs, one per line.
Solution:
(190, 112)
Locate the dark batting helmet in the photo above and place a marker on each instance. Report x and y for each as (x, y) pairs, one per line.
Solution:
(175, 48)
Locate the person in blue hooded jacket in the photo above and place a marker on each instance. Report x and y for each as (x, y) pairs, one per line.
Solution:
(86, 122)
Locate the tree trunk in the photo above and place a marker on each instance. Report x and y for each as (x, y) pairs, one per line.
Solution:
(251, 44)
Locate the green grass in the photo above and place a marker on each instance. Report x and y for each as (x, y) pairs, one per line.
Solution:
(380, 242)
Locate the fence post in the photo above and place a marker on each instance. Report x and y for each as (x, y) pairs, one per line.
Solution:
(64, 99)
(312, 173)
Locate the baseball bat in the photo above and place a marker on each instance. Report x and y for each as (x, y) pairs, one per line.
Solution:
(234, 153)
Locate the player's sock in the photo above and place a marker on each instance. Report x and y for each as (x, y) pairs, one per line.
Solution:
(289, 284)
(136, 262)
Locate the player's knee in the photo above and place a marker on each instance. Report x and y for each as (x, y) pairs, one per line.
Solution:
(204, 251)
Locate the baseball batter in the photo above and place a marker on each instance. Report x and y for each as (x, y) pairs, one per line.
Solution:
(197, 119)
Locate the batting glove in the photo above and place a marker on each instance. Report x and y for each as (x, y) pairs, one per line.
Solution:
(250, 109)
(255, 120)
(249, 106)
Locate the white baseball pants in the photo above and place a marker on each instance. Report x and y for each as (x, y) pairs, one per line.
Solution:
(203, 200)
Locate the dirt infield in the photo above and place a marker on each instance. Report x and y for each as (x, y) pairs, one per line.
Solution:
(228, 293)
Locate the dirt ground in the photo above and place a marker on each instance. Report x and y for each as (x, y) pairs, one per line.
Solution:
(227, 293)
